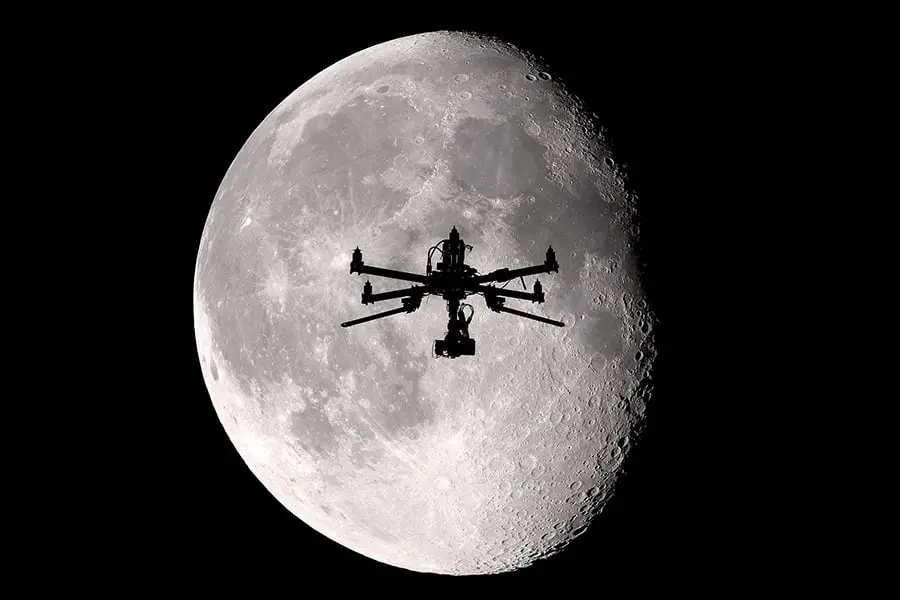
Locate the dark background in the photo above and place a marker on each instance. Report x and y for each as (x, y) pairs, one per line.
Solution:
(674, 95)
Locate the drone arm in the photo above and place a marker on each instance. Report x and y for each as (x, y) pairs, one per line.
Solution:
(381, 315)
(507, 274)
(550, 266)
(410, 291)
(362, 268)
(528, 316)
(409, 305)
(496, 304)
(537, 296)
(510, 274)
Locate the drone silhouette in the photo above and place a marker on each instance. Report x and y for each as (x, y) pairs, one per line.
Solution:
(454, 281)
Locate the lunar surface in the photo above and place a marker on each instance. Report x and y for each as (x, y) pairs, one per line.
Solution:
(474, 465)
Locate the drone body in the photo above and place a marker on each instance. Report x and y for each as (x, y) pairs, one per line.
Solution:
(454, 280)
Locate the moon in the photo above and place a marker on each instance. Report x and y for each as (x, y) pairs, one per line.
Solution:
(475, 465)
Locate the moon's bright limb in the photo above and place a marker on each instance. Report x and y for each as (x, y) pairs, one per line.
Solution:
(476, 465)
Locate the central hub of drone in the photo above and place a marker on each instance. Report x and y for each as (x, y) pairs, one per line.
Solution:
(454, 281)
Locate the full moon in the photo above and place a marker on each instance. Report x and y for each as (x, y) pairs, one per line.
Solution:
(474, 465)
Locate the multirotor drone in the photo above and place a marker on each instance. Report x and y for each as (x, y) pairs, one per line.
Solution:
(454, 281)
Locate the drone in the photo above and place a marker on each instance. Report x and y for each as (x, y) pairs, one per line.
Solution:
(454, 281)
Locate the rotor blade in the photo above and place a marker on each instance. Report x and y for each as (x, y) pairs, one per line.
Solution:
(381, 315)
(529, 316)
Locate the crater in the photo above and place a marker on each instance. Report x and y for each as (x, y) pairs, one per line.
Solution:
(382, 89)
(533, 128)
